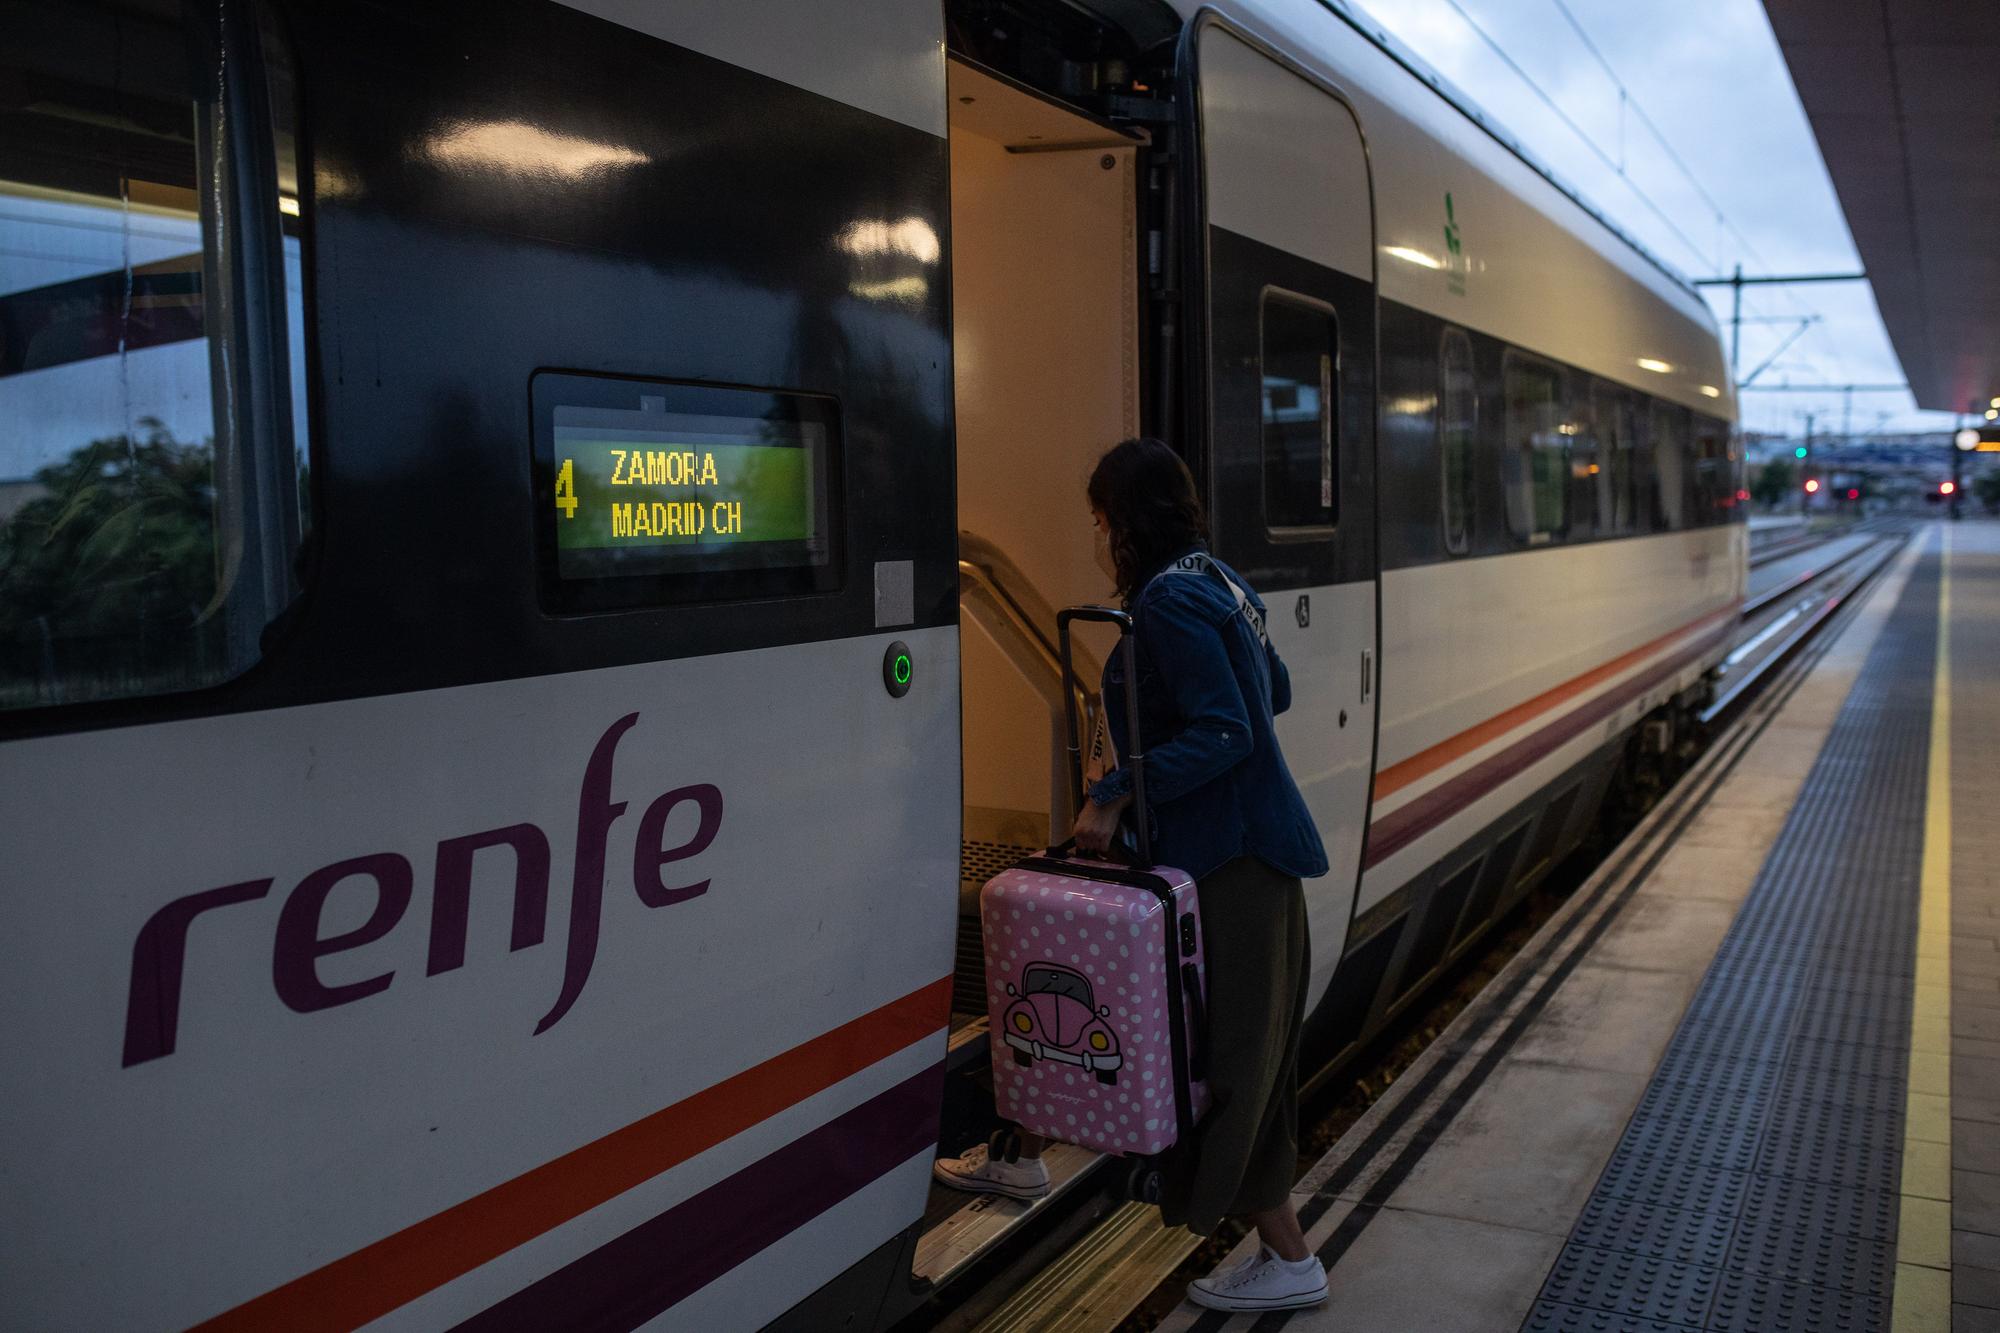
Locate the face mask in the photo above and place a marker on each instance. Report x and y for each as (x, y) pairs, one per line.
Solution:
(1102, 554)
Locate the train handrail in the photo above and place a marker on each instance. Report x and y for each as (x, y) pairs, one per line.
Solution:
(988, 579)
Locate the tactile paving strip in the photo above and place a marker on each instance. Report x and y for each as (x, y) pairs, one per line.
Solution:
(1755, 1186)
(1760, 1304)
(1814, 1258)
(1802, 1206)
(1671, 1233)
(1636, 1285)
(1548, 1317)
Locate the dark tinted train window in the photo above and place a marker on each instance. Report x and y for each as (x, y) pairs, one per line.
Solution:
(1714, 472)
(1667, 437)
(1458, 423)
(1585, 471)
(1734, 469)
(1299, 347)
(1617, 439)
(148, 529)
(1535, 457)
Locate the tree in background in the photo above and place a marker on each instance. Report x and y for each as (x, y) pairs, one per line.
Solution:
(1772, 485)
(110, 573)
(1987, 488)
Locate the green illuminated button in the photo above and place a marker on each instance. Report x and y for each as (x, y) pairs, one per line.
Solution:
(897, 669)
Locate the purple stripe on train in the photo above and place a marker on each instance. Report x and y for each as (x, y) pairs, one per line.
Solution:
(661, 1262)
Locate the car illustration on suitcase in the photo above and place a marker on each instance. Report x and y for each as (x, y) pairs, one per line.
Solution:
(1055, 1017)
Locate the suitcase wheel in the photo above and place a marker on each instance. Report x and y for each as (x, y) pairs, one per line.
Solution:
(1107, 1076)
(1145, 1182)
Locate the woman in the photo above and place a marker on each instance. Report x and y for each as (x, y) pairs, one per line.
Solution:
(1226, 811)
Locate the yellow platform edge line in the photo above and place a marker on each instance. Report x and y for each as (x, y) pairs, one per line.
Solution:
(1922, 1294)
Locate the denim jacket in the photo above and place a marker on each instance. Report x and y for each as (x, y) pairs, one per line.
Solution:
(1209, 689)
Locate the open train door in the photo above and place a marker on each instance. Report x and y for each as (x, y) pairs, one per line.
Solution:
(1283, 398)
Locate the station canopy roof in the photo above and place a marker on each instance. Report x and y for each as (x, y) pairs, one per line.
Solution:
(1904, 96)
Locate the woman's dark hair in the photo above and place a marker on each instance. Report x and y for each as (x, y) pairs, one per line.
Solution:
(1149, 503)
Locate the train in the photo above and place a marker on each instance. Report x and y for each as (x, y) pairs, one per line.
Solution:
(529, 542)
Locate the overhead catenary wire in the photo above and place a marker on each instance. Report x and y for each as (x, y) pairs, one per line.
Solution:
(1627, 100)
(1578, 130)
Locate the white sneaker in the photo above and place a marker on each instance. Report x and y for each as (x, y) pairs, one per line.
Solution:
(1262, 1282)
(980, 1173)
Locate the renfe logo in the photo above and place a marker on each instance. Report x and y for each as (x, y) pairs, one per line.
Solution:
(152, 1008)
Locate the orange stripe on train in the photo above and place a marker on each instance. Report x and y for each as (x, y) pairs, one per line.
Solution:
(421, 1257)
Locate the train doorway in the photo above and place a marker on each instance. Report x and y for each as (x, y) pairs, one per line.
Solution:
(1046, 338)
(1271, 397)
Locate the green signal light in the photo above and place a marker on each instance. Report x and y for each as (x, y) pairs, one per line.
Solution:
(1799, 452)
(902, 671)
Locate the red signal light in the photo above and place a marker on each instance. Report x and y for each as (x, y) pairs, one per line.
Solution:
(1812, 486)
(1853, 494)
(1946, 487)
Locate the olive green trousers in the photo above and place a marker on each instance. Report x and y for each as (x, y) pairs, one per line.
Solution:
(1244, 1154)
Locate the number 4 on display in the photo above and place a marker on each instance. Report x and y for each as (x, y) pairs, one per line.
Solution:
(566, 489)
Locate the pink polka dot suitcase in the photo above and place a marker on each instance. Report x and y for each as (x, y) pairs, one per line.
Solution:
(1094, 975)
(1094, 988)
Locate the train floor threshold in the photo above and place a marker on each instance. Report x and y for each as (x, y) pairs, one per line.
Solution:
(1748, 1077)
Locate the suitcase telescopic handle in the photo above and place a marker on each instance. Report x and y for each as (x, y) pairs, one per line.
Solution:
(1136, 758)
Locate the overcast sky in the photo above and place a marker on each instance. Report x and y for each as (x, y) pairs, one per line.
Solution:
(1709, 75)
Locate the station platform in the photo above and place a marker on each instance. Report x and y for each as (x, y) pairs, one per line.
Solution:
(1748, 1077)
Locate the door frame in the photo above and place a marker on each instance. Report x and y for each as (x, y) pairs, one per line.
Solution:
(1196, 353)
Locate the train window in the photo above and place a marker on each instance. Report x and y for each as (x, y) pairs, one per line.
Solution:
(1617, 437)
(1669, 440)
(1587, 469)
(652, 492)
(1535, 468)
(1458, 421)
(1298, 362)
(152, 488)
(1732, 470)
(1714, 472)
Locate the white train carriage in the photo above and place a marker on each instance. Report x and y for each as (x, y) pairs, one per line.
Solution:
(528, 539)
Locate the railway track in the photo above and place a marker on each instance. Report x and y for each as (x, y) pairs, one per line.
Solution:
(1797, 543)
(1092, 1262)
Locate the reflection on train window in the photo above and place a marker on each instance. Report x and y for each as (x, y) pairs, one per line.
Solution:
(1299, 347)
(1585, 471)
(1669, 439)
(1535, 455)
(1617, 435)
(1736, 470)
(1458, 423)
(133, 557)
(1714, 472)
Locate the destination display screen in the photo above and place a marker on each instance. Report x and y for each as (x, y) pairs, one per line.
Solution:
(649, 489)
